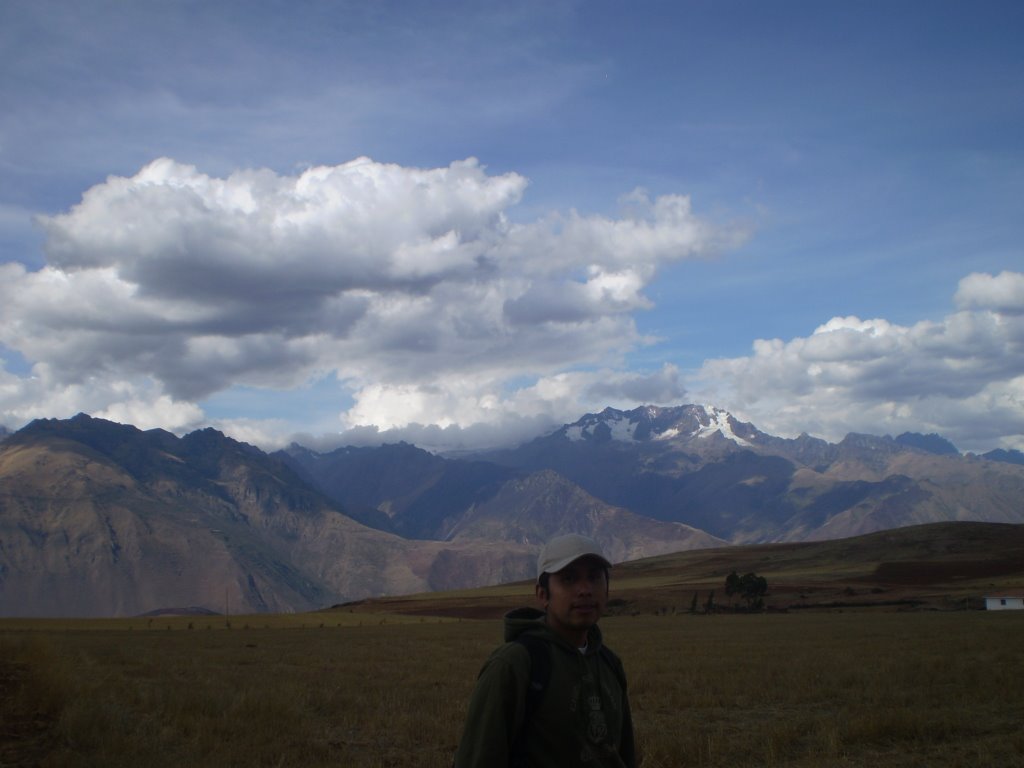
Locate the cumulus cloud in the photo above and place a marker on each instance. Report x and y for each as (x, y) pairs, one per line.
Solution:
(1000, 293)
(962, 377)
(42, 395)
(489, 414)
(445, 322)
(411, 286)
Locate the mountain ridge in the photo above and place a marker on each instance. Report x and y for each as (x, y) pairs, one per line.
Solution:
(706, 468)
(98, 518)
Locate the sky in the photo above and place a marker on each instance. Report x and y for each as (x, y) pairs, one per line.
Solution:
(463, 224)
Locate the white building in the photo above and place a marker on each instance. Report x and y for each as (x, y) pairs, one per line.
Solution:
(1004, 603)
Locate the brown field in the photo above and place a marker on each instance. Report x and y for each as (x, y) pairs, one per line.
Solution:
(865, 658)
(801, 689)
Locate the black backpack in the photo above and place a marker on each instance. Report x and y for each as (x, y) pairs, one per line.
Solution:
(540, 675)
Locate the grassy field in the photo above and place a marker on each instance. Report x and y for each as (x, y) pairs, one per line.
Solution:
(360, 690)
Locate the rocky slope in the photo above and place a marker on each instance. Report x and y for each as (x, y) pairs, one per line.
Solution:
(98, 518)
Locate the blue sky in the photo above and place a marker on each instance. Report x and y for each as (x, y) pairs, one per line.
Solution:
(462, 223)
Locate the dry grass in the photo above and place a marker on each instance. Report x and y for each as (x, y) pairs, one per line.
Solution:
(921, 689)
(829, 689)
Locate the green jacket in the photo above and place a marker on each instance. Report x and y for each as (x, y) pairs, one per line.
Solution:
(583, 720)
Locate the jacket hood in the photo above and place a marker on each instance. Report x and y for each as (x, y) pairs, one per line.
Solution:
(531, 620)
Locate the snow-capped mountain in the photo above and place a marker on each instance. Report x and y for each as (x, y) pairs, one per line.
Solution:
(700, 465)
(650, 422)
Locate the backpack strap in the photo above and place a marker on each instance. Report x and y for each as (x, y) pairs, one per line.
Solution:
(613, 661)
(540, 674)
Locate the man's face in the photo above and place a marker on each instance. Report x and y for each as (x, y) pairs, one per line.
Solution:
(576, 598)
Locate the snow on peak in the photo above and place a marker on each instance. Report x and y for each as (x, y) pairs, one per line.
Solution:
(718, 421)
(622, 429)
(654, 423)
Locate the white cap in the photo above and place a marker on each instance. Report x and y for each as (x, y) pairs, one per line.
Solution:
(563, 550)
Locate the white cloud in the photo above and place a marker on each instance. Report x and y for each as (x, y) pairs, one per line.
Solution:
(446, 322)
(466, 400)
(41, 395)
(962, 377)
(483, 415)
(412, 286)
(1001, 293)
(151, 413)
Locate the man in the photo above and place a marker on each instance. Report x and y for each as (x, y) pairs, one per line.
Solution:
(552, 696)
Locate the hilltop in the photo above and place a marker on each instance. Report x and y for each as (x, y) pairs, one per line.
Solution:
(938, 566)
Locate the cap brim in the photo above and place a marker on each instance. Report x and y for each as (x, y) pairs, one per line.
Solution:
(558, 565)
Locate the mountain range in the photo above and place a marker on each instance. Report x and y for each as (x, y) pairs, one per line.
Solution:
(102, 519)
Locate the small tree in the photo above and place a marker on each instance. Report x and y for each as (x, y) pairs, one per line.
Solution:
(709, 606)
(751, 587)
(732, 584)
(693, 603)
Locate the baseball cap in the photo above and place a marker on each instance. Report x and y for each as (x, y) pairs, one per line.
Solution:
(563, 550)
